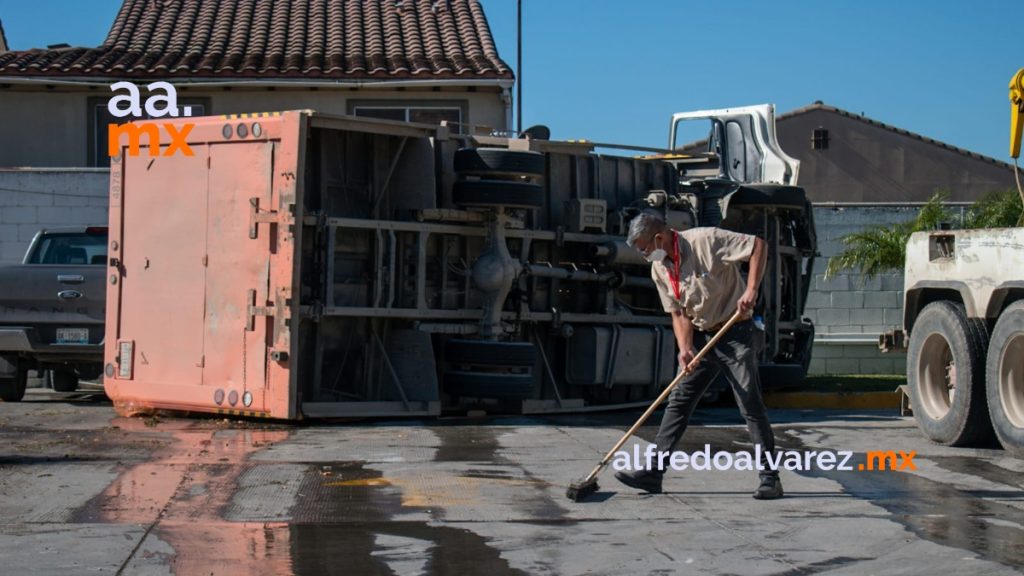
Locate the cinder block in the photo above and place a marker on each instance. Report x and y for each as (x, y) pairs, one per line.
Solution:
(862, 351)
(72, 201)
(26, 232)
(862, 282)
(839, 282)
(816, 299)
(824, 351)
(812, 315)
(876, 329)
(833, 317)
(18, 215)
(8, 233)
(92, 215)
(816, 367)
(870, 316)
(57, 215)
(830, 248)
(100, 201)
(33, 199)
(892, 282)
(12, 252)
(883, 299)
(852, 299)
(899, 363)
(894, 316)
(876, 365)
(842, 366)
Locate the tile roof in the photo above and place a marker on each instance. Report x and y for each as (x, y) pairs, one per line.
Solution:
(300, 39)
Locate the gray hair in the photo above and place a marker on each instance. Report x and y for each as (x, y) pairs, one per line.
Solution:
(643, 225)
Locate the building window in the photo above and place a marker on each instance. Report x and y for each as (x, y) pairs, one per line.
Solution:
(420, 114)
(101, 118)
(819, 140)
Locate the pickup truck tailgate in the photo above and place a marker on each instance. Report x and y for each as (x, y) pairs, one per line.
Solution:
(61, 304)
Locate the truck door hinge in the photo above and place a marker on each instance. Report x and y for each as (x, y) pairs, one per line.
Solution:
(255, 216)
(255, 311)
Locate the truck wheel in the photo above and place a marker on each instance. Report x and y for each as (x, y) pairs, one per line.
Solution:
(12, 389)
(490, 193)
(1005, 377)
(946, 375)
(500, 385)
(498, 162)
(62, 381)
(489, 353)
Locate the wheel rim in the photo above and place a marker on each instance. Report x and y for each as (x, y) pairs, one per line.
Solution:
(1011, 380)
(936, 376)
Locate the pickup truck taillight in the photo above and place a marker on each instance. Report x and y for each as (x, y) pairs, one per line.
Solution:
(96, 230)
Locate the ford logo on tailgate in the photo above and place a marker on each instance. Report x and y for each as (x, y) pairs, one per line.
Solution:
(69, 294)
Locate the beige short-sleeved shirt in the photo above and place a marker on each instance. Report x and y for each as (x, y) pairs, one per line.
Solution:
(710, 282)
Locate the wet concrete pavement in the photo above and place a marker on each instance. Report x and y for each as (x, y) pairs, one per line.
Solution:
(83, 491)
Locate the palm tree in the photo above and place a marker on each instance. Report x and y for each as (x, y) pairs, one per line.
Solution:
(879, 249)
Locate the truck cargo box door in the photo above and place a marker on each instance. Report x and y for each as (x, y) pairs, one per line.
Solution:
(162, 312)
(235, 343)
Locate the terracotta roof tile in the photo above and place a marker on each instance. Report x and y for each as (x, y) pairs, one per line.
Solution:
(331, 39)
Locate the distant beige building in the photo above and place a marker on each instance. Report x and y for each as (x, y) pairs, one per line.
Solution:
(419, 60)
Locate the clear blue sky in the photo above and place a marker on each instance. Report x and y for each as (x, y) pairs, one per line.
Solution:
(610, 70)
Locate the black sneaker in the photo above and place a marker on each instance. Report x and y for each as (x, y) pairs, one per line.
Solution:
(770, 488)
(645, 480)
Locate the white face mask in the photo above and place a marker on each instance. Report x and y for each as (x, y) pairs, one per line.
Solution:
(656, 255)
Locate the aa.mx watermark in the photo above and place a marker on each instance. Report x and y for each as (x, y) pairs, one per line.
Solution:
(162, 102)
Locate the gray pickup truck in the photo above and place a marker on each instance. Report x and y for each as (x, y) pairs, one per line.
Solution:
(52, 310)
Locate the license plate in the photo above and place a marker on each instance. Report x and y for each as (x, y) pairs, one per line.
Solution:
(72, 335)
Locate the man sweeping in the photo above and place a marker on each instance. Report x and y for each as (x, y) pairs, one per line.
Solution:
(697, 273)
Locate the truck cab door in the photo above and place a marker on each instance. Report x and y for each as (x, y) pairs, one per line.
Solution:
(744, 139)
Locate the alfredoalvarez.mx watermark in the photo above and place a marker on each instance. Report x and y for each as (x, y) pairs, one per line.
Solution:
(162, 102)
(793, 460)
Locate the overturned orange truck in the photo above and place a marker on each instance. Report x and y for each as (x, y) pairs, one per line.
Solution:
(297, 265)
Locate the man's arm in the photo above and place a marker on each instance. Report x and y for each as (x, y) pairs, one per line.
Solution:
(758, 257)
(683, 330)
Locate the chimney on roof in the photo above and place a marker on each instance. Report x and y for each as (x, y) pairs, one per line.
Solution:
(3, 39)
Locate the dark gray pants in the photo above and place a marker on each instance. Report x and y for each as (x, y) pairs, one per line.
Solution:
(734, 356)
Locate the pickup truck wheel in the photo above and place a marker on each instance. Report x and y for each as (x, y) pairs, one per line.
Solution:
(1005, 377)
(946, 375)
(498, 162)
(12, 389)
(62, 381)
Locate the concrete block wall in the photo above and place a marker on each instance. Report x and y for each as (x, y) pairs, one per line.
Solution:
(848, 310)
(34, 198)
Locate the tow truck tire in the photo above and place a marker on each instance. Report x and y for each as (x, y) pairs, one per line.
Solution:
(498, 161)
(497, 385)
(1005, 378)
(946, 347)
(491, 193)
(12, 389)
(63, 381)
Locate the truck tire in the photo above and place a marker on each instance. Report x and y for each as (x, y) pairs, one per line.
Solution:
(498, 385)
(62, 380)
(12, 389)
(1005, 378)
(498, 161)
(491, 193)
(946, 375)
(489, 353)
